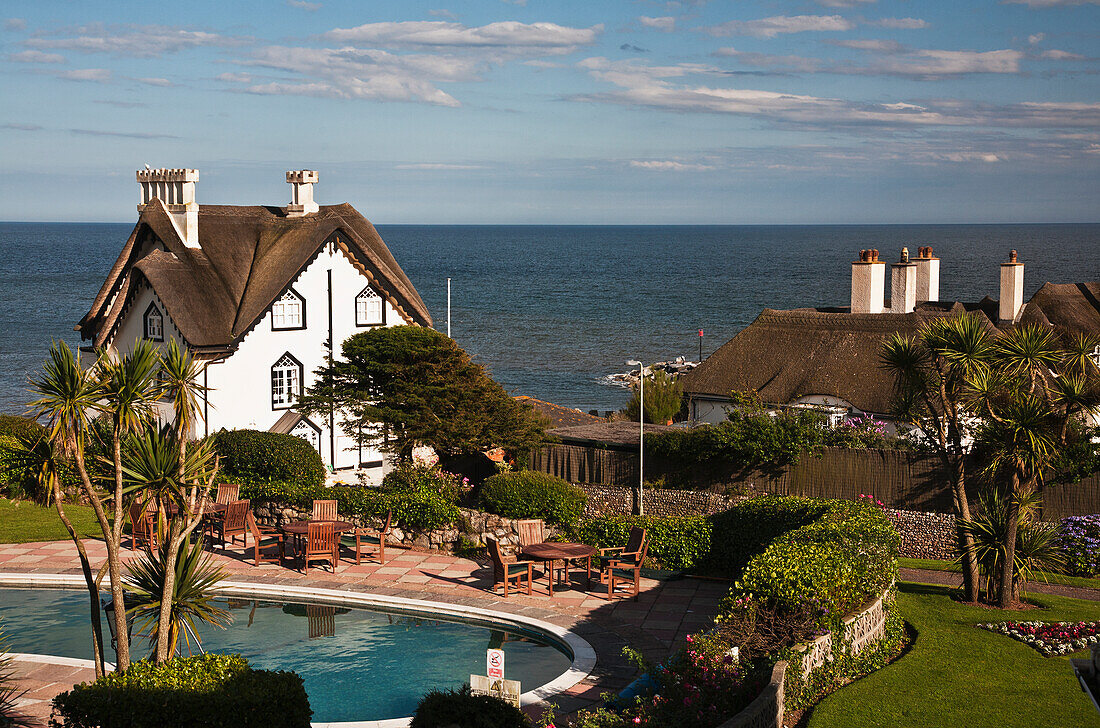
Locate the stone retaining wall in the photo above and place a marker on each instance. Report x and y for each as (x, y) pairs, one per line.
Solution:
(861, 630)
(477, 527)
(925, 535)
(614, 500)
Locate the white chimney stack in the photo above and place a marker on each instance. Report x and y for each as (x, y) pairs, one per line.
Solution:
(1012, 288)
(176, 189)
(301, 193)
(903, 285)
(928, 275)
(868, 283)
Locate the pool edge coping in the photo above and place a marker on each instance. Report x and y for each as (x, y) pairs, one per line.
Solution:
(581, 665)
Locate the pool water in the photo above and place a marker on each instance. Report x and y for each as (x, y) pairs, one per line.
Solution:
(359, 665)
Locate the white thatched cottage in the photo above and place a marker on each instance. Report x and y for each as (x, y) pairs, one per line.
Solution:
(258, 294)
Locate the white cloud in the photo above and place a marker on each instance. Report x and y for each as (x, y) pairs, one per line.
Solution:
(876, 46)
(36, 57)
(932, 64)
(99, 75)
(438, 166)
(773, 26)
(235, 77)
(15, 24)
(138, 41)
(362, 74)
(650, 86)
(508, 37)
(163, 82)
(843, 3)
(900, 23)
(665, 23)
(442, 13)
(1057, 55)
(1036, 38)
(303, 5)
(668, 166)
(1051, 3)
(799, 64)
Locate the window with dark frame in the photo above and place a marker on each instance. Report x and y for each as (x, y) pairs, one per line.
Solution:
(288, 312)
(370, 308)
(286, 382)
(154, 323)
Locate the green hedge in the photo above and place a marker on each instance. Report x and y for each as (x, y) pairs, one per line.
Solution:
(421, 503)
(268, 457)
(212, 691)
(530, 494)
(838, 561)
(14, 426)
(679, 542)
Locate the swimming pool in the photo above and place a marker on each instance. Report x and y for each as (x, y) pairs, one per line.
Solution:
(357, 664)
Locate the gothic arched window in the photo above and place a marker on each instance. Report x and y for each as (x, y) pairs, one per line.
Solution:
(288, 311)
(370, 309)
(154, 323)
(286, 382)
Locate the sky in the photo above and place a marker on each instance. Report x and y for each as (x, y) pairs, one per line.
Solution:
(532, 111)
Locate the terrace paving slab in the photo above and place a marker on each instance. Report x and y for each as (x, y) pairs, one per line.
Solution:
(655, 624)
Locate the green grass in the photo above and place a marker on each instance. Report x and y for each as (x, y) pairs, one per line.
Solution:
(22, 521)
(957, 675)
(1040, 576)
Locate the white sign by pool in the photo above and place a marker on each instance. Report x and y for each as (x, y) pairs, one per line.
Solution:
(494, 664)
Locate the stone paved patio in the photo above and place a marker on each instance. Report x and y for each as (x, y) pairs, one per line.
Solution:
(656, 624)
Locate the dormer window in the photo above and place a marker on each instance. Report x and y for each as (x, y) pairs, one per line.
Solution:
(286, 382)
(288, 312)
(154, 323)
(370, 309)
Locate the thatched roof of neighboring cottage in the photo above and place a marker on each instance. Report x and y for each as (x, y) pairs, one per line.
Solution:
(248, 256)
(559, 415)
(785, 355)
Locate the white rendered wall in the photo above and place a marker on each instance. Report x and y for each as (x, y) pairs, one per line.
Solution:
(240, 396)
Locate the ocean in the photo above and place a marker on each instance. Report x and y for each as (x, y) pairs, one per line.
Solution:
(551, 311)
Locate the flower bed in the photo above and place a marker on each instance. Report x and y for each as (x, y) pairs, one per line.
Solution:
(1050, 638)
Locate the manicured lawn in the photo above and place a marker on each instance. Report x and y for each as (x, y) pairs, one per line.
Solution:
(23, 521)
(1040, 577)
(957, 675)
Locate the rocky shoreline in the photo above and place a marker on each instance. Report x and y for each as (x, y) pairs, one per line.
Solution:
(674, 368)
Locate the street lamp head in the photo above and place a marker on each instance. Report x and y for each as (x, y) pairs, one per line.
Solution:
(633, 362)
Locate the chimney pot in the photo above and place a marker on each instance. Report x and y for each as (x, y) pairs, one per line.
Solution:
(1012, 256)
(175, 188)
(301, 192)
(905, 255)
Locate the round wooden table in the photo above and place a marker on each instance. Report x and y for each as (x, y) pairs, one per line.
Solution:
(300, 528)
(564, 552)
(172, 508)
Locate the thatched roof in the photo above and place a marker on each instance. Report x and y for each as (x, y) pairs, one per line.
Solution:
(248, 255)
(605, 433)
(558, 415)
(785, 355)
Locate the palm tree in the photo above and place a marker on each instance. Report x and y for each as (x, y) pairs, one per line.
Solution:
(68, 398)
(663, 398)
(190, 600)
(129, 391)
(152, 466)
(932, 372)
(1038, 386)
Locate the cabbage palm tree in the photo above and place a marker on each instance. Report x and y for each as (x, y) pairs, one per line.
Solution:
(152, 467)
(189, 586)
(128, 386)
(932, 372)
(68, 399)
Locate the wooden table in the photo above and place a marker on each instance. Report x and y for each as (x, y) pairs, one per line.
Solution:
(564, 552)
(171, 508)
(298, 529)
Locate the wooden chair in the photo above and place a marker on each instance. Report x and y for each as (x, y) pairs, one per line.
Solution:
(507, 568)
(234, 524)
(633, 546)
(324, 510)
(372, 537)
(227, 493)
(263, 536)
(143, 524)
(531, 532)
(627, 567)
(322, 620)
(320, 545)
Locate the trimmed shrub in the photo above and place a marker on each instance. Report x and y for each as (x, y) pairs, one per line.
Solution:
(462, 709)
(530, 494)
(675, 542)
(14, 426)
(268, 457)
(212, 691)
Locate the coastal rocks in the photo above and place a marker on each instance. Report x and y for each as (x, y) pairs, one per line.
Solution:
(674, 368)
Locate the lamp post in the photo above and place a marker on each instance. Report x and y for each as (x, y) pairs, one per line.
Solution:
(108, 607)
(638, 507)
